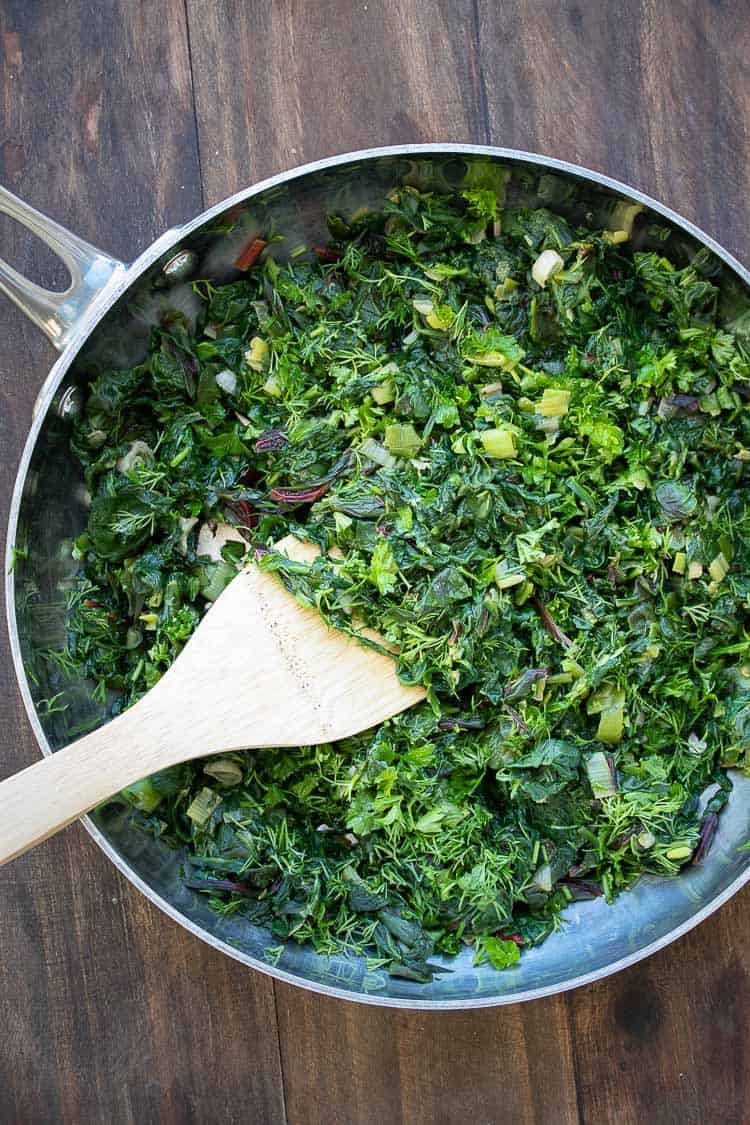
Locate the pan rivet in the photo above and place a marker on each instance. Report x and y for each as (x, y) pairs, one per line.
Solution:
(180, 266)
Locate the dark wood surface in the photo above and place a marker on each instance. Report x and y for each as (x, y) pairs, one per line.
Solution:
(123, 118)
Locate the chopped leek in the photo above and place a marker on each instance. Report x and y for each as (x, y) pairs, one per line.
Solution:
(546, 266)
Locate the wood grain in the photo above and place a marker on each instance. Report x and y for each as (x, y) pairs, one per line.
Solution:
(296, 81)
(111, 1011)
(651, 93)
(348, 1064)
(666, 1041)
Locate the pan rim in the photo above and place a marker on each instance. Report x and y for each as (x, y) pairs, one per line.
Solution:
(87, 324)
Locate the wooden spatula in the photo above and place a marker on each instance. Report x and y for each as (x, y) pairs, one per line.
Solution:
(259, 671)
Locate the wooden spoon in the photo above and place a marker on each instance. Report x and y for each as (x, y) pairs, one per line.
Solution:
(260, 671)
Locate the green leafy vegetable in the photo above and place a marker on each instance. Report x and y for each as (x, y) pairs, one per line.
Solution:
(500, 954)
(523, 451)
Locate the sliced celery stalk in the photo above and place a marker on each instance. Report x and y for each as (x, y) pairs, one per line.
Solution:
(499, 443)
(384, 394)
(611, 721)
(600, 776)
(402, 440)
(202, 806)
(554, 402)
(718, 568)
(256, 355)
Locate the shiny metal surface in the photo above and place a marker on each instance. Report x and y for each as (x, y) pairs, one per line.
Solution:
(110, 327)
(57, 314)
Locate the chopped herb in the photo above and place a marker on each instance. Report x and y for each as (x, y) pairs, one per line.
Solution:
(558, 548)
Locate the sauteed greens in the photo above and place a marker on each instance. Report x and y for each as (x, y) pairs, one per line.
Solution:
(523, 448)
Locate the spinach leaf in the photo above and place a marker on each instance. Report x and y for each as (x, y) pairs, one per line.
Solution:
(522, 447)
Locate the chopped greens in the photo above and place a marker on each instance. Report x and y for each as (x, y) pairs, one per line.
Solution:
(522, 446)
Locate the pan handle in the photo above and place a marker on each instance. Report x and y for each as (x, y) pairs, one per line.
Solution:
(56, 313)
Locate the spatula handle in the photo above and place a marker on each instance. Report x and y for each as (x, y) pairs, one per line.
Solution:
(45, 797)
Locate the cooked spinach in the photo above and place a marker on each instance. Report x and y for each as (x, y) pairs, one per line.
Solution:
(522, 446)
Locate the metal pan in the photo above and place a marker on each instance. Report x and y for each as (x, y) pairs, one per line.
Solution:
(103, 320)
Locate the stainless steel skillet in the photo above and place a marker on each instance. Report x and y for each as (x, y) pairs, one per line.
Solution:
(103, 320)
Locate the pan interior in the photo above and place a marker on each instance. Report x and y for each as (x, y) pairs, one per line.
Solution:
(52, 512)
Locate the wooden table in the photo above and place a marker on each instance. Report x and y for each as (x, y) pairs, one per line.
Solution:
(126, 117)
